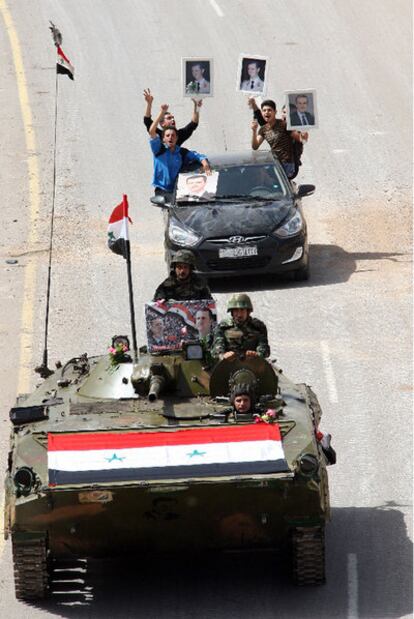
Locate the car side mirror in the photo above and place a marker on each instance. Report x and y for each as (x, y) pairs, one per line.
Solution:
(305, 190)
(158, 201)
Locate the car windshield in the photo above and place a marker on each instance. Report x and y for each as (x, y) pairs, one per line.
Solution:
(244, 182)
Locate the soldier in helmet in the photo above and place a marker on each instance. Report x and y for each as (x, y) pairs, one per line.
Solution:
(183, 284)
(242, 399)
(240, 333)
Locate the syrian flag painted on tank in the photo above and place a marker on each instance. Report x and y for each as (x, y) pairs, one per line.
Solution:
(118, 238)
(105, 457)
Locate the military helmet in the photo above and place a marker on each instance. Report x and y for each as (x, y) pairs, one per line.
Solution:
(243, 389)
(239, 301)
(183, 256)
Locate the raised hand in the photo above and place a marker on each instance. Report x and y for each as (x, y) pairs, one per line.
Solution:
(149, 98)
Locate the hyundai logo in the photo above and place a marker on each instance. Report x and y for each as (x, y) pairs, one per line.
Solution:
(237, 239)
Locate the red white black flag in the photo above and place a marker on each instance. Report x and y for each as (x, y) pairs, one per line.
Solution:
(118, 237)
(63, 64)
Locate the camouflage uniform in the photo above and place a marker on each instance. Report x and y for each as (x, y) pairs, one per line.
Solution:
(194, 288)
(251, 335)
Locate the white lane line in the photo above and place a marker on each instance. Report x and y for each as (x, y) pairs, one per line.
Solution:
(217, 8)
(352, 586)
(329, 372)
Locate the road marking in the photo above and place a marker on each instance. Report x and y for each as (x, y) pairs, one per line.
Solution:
(29, 286)
(329, 372)
(217, 8)
(352, 586)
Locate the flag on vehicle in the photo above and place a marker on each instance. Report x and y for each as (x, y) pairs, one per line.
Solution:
(100, 457)
(63, 64)
(118, 237)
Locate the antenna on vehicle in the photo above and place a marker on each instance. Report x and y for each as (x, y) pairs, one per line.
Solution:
(224, 139)
(62, 66)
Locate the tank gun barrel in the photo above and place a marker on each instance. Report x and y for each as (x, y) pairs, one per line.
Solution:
(157, 384)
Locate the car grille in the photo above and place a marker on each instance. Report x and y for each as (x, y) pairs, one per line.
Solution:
(246, 239)
(236, 264)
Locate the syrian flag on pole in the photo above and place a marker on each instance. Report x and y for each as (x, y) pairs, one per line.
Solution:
(63, 64)
(118, 238)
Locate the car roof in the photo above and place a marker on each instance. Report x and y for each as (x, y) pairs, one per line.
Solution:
(241, 158)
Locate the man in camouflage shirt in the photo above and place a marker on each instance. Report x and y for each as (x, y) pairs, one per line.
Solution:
(183, 284)
(240, 333)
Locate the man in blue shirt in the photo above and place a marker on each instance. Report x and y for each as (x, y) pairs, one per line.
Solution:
(169, 158)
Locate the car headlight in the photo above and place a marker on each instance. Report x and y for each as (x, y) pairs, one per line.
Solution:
(291, 227)
(182, 236)
(308, 465)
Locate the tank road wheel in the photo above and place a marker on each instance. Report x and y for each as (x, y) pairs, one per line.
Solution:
(308, 555)
(30, 568)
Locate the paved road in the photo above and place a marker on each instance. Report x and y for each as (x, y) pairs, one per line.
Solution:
(347, 332)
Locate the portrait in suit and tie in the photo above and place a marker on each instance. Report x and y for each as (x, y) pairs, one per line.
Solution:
(197, 74)
(302, 110)
(196, 187)
(251, 75)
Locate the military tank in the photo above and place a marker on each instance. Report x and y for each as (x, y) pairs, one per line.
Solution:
(114, 457)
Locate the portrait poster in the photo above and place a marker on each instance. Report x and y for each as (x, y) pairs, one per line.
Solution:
(196, 187)
(251, 74)
(197, 77)
(301, 110)
(170, 323)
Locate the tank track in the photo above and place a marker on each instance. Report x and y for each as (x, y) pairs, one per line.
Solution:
(30, 568)
(308, 555)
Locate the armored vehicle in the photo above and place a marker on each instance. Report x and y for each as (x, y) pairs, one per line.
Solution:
(109, 456)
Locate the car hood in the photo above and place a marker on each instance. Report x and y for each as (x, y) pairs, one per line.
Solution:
(215, 220)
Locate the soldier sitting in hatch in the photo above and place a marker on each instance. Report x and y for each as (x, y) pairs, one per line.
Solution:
(183, 284)
(243, 399)
(240, 333)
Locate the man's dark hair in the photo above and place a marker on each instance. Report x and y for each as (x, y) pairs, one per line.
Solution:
(169, 129)
(196, 176)
(269, 103)
(206, 309)
(301, 97)
(198, 64)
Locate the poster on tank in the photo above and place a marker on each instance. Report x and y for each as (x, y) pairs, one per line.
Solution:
(301, 110)
(197, 77)
(170, 323)
(251, 74)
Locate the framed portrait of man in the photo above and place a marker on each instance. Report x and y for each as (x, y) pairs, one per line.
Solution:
(196, 187)
(197, 77)
(251, 74)
(171, 323)
(301, 112)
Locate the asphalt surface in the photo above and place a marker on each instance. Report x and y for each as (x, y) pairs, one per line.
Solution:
(347, 332)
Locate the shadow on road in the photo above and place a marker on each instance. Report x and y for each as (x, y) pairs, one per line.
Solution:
(329, 264)
(247, 586)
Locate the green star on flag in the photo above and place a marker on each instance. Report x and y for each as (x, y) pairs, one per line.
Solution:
(115, 457)
(195, 452)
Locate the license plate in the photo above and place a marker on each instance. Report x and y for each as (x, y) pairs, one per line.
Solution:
(241, 251)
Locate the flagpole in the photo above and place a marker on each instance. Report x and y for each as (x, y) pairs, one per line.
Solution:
(130, 287)
(43, 369)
